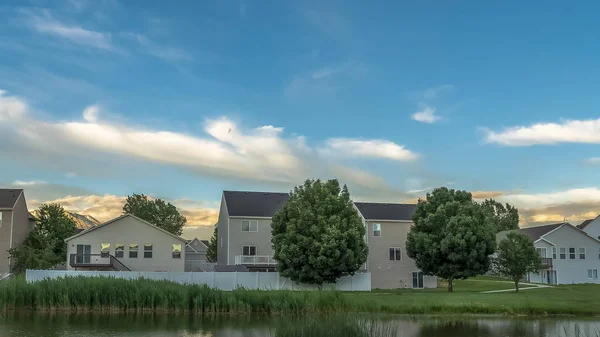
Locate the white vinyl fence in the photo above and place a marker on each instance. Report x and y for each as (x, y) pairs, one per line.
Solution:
(219, 280)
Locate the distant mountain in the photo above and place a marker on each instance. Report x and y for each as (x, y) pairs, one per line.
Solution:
(82, 221)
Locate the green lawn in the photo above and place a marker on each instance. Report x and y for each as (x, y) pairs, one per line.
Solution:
(583, 300)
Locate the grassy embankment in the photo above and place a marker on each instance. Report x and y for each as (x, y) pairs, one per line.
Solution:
(102, 294)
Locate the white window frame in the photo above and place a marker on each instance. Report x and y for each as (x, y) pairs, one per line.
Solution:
(590, 273)
(249, 250)
(579, 253)
(574, 253)
(399, 250)
(595, 274)
(0, 219)
(554, 254)
(545, 252)
(560, 253)
(379, 230)
(250, 222)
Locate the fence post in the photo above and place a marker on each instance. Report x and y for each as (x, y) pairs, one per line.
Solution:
(213, 284)
(257, 287)
(278, 282)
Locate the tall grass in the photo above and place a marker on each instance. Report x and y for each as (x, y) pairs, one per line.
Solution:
(112, 294)
(335, 326)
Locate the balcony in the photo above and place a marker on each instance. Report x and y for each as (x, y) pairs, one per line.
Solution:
(96, 261)
(260, 260)
(546, 262)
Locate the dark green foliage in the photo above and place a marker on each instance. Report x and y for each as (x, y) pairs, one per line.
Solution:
(452, 237)
(211, 252)
(318, 235)
(506, 217)
(336, 326)
(44, 247)
(515, 257)
(155, 211)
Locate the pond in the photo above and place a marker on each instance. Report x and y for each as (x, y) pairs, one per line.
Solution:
(101, 325)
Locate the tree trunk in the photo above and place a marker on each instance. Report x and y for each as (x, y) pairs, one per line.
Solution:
(517, 285)
(450, 285)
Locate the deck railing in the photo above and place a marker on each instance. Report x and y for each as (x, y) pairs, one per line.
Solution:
(96, 260)
(255, 260)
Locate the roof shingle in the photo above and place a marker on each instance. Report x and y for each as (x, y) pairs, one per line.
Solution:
(260, 204)
(8, 197)
(379, 211)
(536, 232)
(585, 223)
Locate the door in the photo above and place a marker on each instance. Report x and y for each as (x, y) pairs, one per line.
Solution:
(83, 254)
(552, 277)
(417, 279)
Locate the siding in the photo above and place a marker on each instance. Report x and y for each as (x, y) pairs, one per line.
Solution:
(222, 244)
(5, 241)
(21, 226)
(237, 239)
(593, 228)
(129, 230)
(386, 273)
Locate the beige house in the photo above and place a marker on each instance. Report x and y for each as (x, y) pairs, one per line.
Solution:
(126, 243)
(15, 223)
(245, 238)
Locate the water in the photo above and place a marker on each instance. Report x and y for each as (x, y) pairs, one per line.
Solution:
(97, 325)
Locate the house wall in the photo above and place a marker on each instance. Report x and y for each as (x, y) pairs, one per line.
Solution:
(222, 244)
(593, 228)
(21, 226)
(5, 241)
(261, 238)
(571, 271)
(386, 273)
(195, 254)
(129, 230)
(542, 277)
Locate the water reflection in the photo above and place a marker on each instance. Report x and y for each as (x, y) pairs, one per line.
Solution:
(137, 325)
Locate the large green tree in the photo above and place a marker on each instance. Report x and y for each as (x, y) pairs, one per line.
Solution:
(155, 211)
(211, 252)
(452, 237)
(44, 247)
(506, 217)
(318, 235)
(515, 257)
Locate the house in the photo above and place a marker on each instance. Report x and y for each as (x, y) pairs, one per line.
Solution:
(195, 255)
(569, 255)
(387, 227)
(14, 223)
(591, 227)
(244, 238)
(126, 243)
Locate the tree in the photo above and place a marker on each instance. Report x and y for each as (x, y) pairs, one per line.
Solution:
(506, 216)
(44, 247)
(155, 211)
(318, 235)
(452, 237)
(211, 252)
(515, 257)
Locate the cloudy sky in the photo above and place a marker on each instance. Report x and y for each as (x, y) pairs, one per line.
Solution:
(101, 99)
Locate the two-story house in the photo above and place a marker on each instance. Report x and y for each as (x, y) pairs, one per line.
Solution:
(569, 255)
(591, 227)
(244, 238)
(15, 223)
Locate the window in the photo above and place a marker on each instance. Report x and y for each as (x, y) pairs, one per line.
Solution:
(395, 254)
(571, 253)
(541, 252)
(0, 218)
(119, 250)
(563, 253)
(376, 229)
(248, 250)
(593, 274)
(249, 225)
(582, 253)
(104, 249)
(133, 251)
(554, 253)
(177, 251)
(148, 251)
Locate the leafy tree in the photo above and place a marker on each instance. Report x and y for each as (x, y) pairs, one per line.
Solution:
(506, 216)
(44, 247)
(155, 211)
(211, 252)
(452, 237)
(318, 235)
(515, 257)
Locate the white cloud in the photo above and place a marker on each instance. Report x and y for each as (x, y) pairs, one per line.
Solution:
(70, 174)
(568, 131)
(426, 116)
(90, 113)
(168, 53)
(20, 183)
(434, 92)
(324, 81)
(43, 22)
(373, 148)
(330, 71)
(593, 160)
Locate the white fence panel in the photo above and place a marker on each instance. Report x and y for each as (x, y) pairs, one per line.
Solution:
(219, 280)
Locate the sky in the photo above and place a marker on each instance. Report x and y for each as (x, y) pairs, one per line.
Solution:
(102, 99)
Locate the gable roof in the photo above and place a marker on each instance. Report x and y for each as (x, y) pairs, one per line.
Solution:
(8, 197)
(205, 242)
(586, 222)
(119, 218)
(258, 204)
(381, 211)
(534, 233)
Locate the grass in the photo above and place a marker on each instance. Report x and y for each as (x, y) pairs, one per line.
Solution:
(118, 295)
(335, 326)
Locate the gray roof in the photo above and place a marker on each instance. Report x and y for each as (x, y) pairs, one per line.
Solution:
(379, 211)
(8, 197)
(585, 223)
(261, 204)
(536, 232)
(205, 242)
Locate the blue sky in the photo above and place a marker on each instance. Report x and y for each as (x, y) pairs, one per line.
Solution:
(102, 99)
